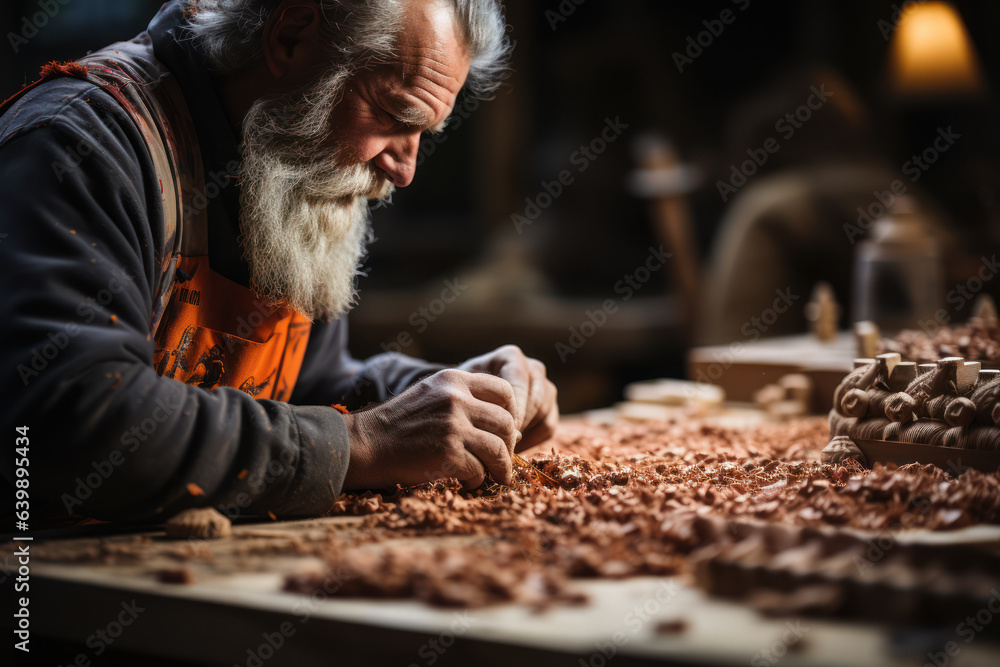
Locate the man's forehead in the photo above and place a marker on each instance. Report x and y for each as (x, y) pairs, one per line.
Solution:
(430, 46)
(443, 62)
(420, 83)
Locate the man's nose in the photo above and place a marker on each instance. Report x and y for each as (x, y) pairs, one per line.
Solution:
(399, 159)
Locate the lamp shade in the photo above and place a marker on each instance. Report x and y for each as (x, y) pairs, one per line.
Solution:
(932, 56)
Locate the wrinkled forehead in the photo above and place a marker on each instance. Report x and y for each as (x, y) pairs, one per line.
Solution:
(432, 59)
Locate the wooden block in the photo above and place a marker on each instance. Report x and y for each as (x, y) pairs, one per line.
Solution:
(887, 362)
(902, 375)
(675, 392)
(785, 410)
(797, 387)
(640, 412)
(768, 395)
(767, 360)
(966, 376)
(962, 373)
(866, 337)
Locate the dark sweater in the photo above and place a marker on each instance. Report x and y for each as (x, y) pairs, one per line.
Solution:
(80, 242)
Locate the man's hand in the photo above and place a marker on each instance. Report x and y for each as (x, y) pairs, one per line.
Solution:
(451, 424)
(536, 412)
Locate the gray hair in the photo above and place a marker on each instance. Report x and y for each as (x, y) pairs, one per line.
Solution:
(229, 33)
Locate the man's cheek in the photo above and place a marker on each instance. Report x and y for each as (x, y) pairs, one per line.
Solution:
(362, 144)
(353, 142)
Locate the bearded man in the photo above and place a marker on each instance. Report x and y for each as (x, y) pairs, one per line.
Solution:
(183, 217)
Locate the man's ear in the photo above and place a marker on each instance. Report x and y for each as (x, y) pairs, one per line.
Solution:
(291, 38)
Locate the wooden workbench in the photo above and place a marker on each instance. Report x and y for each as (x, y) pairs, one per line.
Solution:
(236, 603)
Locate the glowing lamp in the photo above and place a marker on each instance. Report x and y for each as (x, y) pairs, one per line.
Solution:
(932, 55)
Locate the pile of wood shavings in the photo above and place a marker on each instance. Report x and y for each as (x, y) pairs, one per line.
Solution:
(630, 503)
(975, 341)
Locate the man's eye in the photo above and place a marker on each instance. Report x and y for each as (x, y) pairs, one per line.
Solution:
(381, 116)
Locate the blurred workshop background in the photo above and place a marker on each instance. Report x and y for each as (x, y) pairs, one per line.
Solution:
(755, 142)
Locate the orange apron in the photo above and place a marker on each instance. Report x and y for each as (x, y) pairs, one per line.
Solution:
(216, 333)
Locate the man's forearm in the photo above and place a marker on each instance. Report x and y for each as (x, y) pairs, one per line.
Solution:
(117, 442)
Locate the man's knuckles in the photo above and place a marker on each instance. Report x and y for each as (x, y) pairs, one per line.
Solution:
(512, 352)
(451, 376)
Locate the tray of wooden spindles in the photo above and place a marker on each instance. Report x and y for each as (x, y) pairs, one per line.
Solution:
(892, 411)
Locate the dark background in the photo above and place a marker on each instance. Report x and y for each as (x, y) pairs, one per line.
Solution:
(607, 59)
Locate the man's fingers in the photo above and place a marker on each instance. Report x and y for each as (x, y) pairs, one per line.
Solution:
(541, 431)
(520, 381)
(547, 401)
(496, 390)
(492, 453)
(537, 396)
(497, 421)
(472, 474)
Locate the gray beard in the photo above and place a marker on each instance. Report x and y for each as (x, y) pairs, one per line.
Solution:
(304, 212)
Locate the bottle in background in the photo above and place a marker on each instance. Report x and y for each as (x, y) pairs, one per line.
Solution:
(898, 275)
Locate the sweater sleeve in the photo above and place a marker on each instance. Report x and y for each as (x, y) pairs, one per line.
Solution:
(331, 375)
(80, 241)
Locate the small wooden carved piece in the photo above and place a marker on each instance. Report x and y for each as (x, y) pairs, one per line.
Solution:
(903, 373)
(767, 396)
(839, 424)
(959, 411)
(823, 312)
(887, 364)
(798, 387)
(985, 309)
(886, 372)
(931, 381)
(790, 397)
(866, 337)
(986, 397)
(855, 403)
(900, 407)
(862, 377)
(966, 376)
(946, 392)
(205, 523)
(868, 404)
(840, 449)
